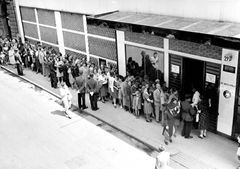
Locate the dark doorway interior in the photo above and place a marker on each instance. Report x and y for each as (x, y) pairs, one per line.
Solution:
(102, 62)
(193, 75)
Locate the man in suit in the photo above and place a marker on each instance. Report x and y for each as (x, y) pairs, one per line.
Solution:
(92, 89)
(157, 101)
(188, 114)
(81, 86)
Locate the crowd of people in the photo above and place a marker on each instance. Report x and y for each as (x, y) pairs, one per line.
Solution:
(138, 95)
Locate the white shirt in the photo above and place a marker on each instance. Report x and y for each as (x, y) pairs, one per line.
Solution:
(196, 98)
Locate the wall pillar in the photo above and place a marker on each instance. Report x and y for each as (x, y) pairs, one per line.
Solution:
(37, 22)
(86, 36)
(166, 61)
(59, 32)
(121, 56)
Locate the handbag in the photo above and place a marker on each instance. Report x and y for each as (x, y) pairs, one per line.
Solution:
(238, 151)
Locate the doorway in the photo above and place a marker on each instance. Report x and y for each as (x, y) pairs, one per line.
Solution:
(193, 75)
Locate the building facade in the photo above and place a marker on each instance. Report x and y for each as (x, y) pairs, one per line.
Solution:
(187, 57)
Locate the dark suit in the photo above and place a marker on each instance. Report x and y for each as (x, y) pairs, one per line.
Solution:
(92, 87)
(188, 114)
(81, 83)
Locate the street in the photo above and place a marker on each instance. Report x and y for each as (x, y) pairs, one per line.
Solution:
(35, 134)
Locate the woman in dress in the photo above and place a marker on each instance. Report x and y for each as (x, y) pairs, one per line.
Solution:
(59, 71)
(66, 98)
(113, 88)
(103, 86)
(11, 56)
(148, 109)
(203, 116)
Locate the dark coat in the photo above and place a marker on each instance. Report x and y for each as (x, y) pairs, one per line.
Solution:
(81, 83)
(92, 85)
(188, 112)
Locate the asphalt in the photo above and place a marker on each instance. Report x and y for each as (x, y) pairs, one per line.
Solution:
(213, 152)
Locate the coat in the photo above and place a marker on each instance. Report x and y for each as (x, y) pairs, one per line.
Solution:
(188, 112)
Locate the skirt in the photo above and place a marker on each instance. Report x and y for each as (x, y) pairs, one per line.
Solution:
(103, 90)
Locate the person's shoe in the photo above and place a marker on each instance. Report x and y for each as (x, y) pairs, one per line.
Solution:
(204, 135)
(189, 137)
(97, 108)
(165, 142)
(170, 140)
(201, 137)
(85, 107)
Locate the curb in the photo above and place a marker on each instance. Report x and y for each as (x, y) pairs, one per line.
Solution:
(57, 96)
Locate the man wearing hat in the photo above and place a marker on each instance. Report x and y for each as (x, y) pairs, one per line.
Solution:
(81, 83)
(188, 114)
(92, 89)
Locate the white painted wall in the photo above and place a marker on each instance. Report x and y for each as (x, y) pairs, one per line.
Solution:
(75, 6)
(226, 10)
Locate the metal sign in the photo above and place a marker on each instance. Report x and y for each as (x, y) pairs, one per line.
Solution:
(227, 91)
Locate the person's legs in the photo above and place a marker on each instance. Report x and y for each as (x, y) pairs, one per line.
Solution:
(79, 101)
(83, 101)
(91, 101)
(205, 133)
(188, 129)
(157, 109)
(184, 129)
(95, 101)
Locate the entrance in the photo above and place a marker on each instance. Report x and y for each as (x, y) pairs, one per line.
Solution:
(193, 75)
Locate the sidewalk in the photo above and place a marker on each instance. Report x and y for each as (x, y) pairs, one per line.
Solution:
(213, 152)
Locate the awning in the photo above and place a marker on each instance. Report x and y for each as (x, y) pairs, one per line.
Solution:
(226, 29)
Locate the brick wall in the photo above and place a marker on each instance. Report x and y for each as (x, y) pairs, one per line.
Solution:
(12, 19)
(97, 30)
(145, 39)
(104, 48)
(75, 55)
(209, 51)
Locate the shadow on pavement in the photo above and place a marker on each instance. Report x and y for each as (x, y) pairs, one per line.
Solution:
(58, 112)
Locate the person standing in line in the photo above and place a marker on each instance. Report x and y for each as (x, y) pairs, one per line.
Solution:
(81, 86)
(157, 101)
(113, 88)
(126, 93)
(41, 55)
(37, 61)
(147, 103)
(66, 98)
(188, 113)
(92, 90)
(164, 98)
(203, 117)
(19, 62)
(104, 86)
(59, 70)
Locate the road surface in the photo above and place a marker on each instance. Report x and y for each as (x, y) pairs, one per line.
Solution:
(34, 134)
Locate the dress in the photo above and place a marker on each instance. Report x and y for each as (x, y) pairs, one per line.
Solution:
(11, 57)
(58, 65)
(112, 87)
(126, 95)
(103, 83)
(70, 76)
(203, 116)
(148, 109)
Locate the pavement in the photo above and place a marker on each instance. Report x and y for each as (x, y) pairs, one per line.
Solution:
(35, 134)
(214, 151)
